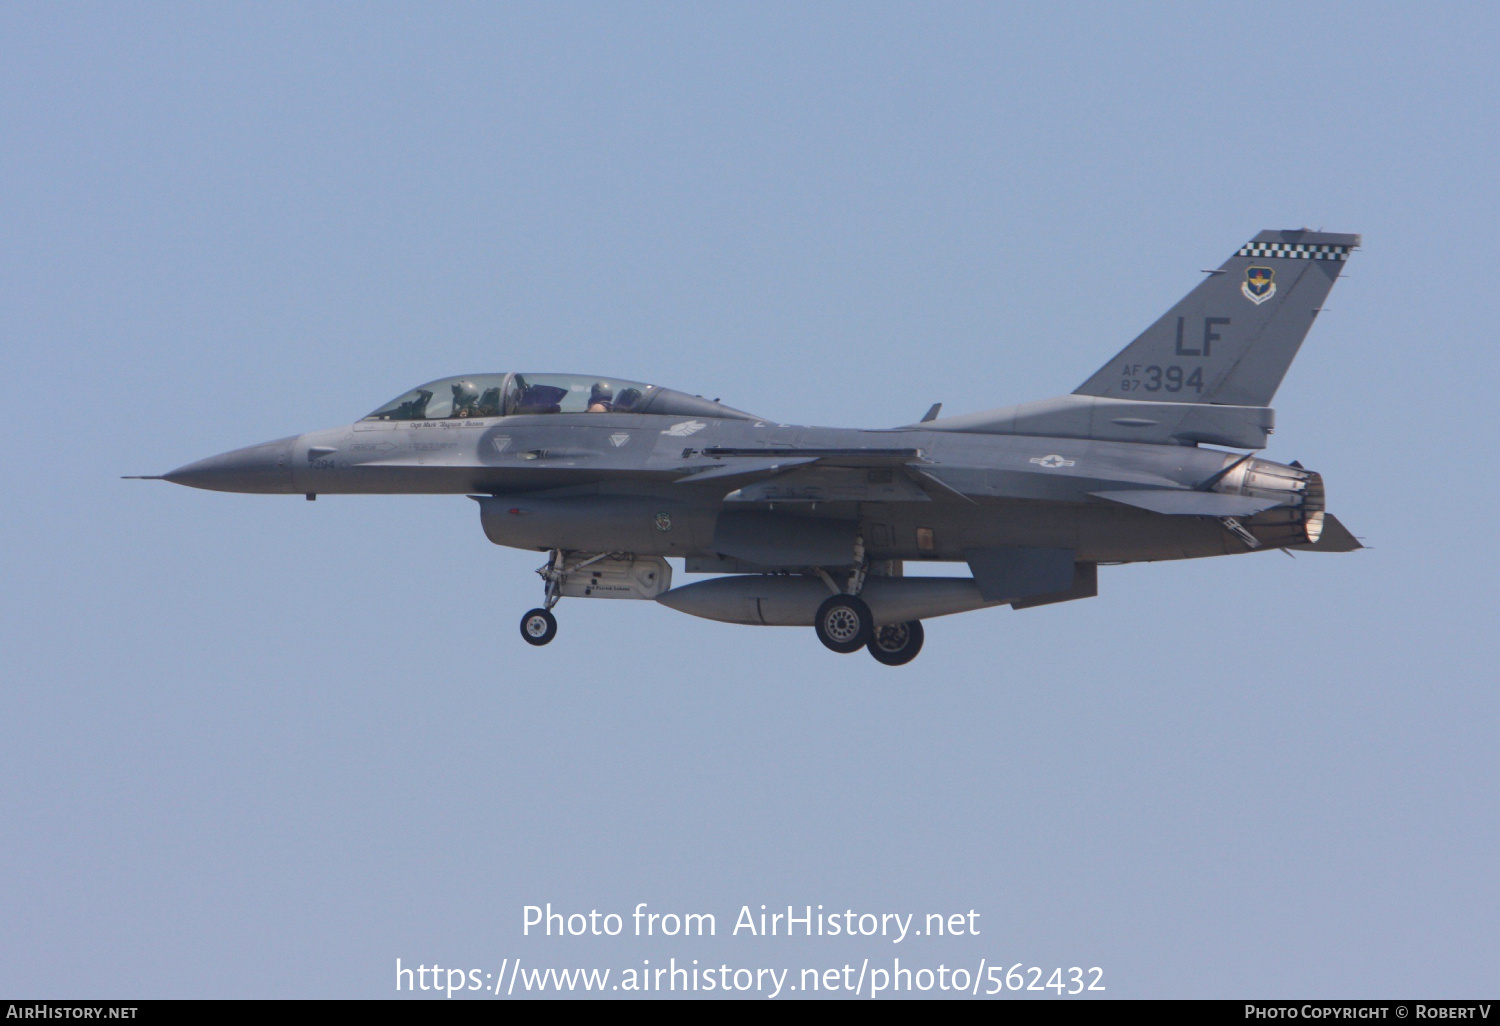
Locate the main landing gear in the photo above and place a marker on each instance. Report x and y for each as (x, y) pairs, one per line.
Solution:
(896, 644)
(845, 624)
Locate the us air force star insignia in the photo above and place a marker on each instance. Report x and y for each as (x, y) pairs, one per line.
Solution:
(663, 521)
(618, 440)
(684, 429)
(1259, 284)
(1052, 462)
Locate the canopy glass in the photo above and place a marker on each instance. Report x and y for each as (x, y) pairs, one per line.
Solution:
(497, 395)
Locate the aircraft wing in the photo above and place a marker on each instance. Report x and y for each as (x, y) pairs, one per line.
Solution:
(764, 465)
(825, 457)
(821, 475)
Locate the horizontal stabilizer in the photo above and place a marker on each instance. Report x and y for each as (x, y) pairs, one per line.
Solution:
(1335, 538)
(1189, 503)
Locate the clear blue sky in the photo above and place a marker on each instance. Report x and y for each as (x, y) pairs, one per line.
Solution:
(256, 746)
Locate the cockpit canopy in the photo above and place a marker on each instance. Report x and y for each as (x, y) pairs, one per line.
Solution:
(505, 395)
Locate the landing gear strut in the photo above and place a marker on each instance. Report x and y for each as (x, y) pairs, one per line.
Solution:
(539, 626)
(844, 622)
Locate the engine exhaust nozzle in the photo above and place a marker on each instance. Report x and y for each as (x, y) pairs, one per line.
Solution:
(1298, 517)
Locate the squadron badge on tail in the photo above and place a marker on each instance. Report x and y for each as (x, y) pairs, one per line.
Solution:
(1259, 284)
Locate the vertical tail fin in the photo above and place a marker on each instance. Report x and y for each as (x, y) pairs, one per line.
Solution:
(1232, 338)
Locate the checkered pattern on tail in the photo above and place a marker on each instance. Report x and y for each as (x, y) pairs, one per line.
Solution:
(1293, 251)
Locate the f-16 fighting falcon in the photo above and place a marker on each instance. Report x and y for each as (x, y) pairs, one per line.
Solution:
(817, 527)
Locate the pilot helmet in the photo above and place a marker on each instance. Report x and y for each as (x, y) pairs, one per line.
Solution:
(601, 393)
(464, 393)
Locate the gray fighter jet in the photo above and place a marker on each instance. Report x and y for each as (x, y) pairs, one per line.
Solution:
(811, 526)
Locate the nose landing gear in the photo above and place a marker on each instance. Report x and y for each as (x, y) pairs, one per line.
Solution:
(538, 626)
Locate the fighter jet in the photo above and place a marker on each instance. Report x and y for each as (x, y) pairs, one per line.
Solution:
(818, 527)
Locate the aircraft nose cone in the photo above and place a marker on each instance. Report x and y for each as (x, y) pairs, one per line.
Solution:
(256, 468)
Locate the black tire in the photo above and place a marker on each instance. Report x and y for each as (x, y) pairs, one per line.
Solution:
(844, 623)
(896, 644)
(538, 627)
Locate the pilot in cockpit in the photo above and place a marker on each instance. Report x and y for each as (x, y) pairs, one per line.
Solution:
(468, 402)
(601, 398)
(465, 399)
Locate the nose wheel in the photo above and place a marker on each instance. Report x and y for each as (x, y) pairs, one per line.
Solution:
(538, 626)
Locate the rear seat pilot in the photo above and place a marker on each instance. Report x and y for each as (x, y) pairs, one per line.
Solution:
(601, 398)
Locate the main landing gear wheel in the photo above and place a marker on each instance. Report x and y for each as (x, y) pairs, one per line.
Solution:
(538, 627)
(896, 643)
(844, 623)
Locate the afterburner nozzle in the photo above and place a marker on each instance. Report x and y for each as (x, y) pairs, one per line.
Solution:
(1297, 519)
